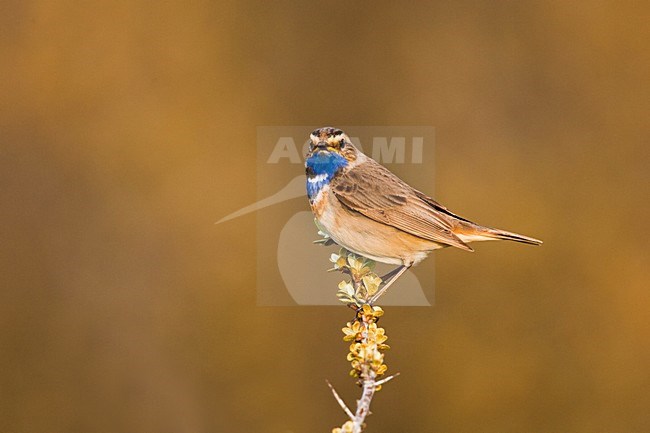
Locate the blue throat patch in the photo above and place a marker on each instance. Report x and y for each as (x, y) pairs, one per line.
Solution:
(321, 168)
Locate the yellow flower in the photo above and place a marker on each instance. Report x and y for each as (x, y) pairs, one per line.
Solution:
(348, 427)
(339, 259)
(371, 283)
(347, 287)
(360, 266)
(351, 331)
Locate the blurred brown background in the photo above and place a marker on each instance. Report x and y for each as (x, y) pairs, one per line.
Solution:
(128, 128)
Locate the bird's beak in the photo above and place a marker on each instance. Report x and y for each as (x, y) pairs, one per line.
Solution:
(321, 146)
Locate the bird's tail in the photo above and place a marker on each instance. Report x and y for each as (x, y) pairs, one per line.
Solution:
(508, 236)
(474, 232)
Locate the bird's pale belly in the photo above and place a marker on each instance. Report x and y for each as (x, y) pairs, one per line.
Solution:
(364, 236)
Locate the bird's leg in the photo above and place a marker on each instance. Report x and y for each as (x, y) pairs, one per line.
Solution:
(390, 274)
(393, 275)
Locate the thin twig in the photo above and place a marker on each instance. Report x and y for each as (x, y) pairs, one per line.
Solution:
(386, 379)
(363, 405)
(340, 401)
(388, 283)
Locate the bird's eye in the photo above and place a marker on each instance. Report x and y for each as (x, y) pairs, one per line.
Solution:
(342, 143)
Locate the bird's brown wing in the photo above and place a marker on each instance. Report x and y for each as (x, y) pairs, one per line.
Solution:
(375, 192)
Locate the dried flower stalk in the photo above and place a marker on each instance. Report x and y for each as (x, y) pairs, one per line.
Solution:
(367, 339)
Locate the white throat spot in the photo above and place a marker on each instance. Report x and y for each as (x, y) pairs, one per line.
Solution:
(318, 178)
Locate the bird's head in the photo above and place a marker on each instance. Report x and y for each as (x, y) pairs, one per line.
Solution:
(330, 153)
(330, 140)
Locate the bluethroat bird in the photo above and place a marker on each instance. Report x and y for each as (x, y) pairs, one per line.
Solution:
(369, 211)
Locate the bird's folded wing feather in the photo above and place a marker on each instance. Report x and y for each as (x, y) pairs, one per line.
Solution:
(375, 192)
